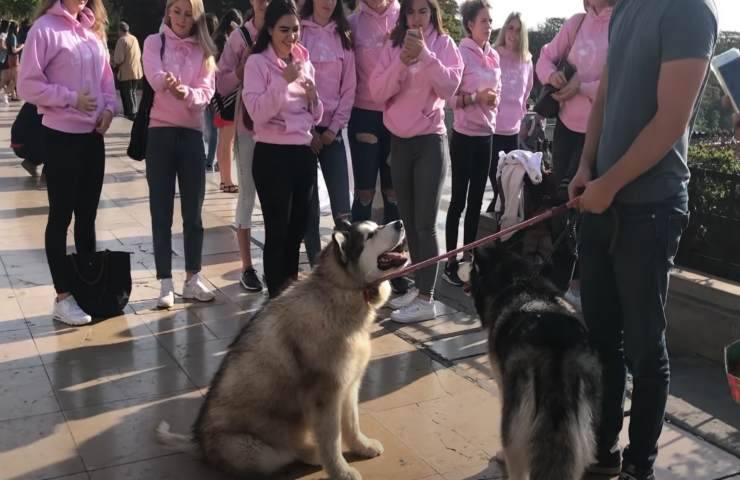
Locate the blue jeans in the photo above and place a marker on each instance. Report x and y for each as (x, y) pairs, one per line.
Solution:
(368, 160)
(333, 160)
(176, 155)
(210, 137)
(626, 256)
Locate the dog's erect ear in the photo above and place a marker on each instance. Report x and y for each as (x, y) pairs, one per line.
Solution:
(343, 225)
(340, 239)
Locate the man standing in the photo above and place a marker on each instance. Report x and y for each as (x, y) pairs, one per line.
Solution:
(127, 65)
(633, 180)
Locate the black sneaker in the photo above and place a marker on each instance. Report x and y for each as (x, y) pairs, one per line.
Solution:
(610, 464)
(630, 472)
(400, 285)
(450, 274)
(30, 167)
(250, 281)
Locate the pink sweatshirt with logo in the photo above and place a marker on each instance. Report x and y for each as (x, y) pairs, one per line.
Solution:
(279, 110)
(226, 80)
(336, 79)
(63, 56)
(182, 57)
(482, 70)
(415, 96)
(588, 55)
(370, 30)
(517, 79)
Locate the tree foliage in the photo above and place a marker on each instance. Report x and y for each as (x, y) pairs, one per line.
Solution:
(17, 9)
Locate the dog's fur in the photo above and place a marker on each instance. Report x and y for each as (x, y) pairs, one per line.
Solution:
(549, 377)
(288, 387)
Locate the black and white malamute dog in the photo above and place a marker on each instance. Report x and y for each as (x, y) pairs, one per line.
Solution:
(288, 387)
(549, 377)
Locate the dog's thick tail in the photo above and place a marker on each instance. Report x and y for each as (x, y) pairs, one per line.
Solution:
(176, 442)
(563, 440)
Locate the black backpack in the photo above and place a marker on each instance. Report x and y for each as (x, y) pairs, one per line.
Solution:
(25, 134)
(225, 106)
(140, 129)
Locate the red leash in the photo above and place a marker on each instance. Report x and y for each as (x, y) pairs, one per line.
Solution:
(553, 212)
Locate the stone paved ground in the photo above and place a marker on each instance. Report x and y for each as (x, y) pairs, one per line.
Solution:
(82, 403)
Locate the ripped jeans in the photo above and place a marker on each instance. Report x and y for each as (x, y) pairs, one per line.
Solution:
(370, 144)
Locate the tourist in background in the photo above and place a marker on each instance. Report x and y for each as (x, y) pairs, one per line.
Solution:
(128, 68)
(210, 132)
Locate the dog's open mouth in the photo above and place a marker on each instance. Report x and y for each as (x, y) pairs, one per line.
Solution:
(395, 258)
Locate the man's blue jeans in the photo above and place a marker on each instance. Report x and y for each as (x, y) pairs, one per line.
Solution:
(626, 255)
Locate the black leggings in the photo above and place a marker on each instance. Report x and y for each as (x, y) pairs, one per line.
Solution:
(285, 177)
(500, 143)
(567, 147)
(75, 166)
(470, 158)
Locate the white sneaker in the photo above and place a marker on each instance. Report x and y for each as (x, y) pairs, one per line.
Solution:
(67, 311)
(166, 294)
(574, 298)
(404, 300)
(196, 289)
(4, 101)
(418, 311)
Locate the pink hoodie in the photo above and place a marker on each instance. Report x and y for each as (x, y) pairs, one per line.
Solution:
(226, 79)
(588, 55)
(63, 56)
(336, 80)
(279, 110)
(415, 96)
(517, 78)
(482, 70)
(183, 57)
(370, 30)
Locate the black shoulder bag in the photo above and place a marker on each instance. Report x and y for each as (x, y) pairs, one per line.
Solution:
(140, 129)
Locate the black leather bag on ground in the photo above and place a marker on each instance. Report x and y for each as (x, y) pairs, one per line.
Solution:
(140, 128)
(547, 106)
(101, 282)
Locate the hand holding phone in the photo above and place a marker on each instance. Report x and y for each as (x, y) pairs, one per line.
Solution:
(726, 67)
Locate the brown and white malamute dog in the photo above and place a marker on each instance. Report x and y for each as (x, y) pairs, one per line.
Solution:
(288, 387)
(548, 376)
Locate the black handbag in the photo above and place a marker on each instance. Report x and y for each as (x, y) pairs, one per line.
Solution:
(547, 106)
(101, 282)
(140, 128)
(225, 106)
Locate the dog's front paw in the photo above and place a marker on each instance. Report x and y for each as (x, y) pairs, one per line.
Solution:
(369, 448)
(347, 473)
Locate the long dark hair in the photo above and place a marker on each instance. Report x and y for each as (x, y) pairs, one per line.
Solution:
(13, 28)
(275, 10)
(343, 29)
(399, 33)
(224, 27)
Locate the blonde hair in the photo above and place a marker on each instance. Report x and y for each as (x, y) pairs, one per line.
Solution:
(97, 7)
(524, 54)
(200, 30)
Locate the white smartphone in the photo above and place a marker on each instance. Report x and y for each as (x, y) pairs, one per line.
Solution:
(726, 67)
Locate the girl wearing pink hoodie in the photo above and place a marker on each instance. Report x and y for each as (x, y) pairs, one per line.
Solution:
(182, 76)
(369, 139)
(476, 105)
(419, 69)
(517, 78)
(229, 78)
(587, 36)
(280, 96)
(326, 34)
(65, 71)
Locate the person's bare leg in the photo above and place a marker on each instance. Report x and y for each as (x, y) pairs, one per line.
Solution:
(225, 153)
(244, 237)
